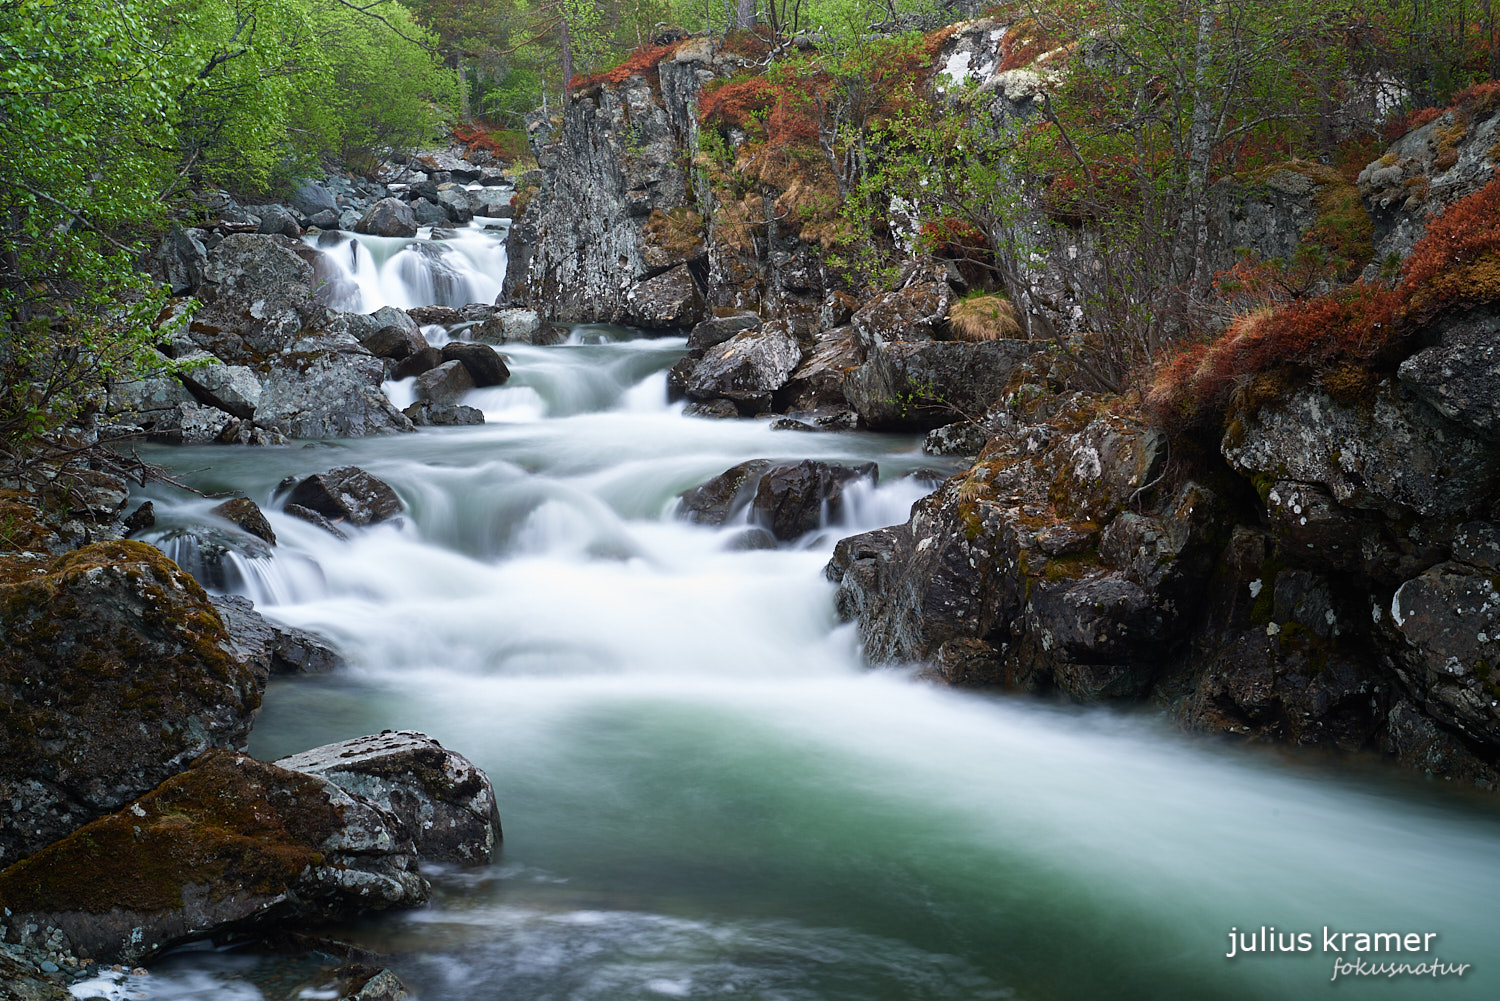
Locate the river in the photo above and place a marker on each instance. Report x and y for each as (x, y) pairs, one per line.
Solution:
(705, 794)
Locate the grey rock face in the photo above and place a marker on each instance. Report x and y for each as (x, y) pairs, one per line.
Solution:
(1460, 378)
(327, 387)
(1267, 217)
(579, 247)
(111, 625)
(441, 803)
(927, 384)
(180, 260)
(718, 329)
(505, 325)
(388, 217)
(276, 219)
(1393, 454)
(311, 198)
(347, 493)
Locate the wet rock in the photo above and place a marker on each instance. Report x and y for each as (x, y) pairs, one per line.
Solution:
(428, 213)
(270, 648)
(714, 409)
(1450, 619)
(669, 301)
(1419, 743)
(1316, 530)
(423, 360)
(1477, 543)
(424, 414)
(454, 201)
(388, 217)
(792, 500)
(1392, 453)
(231, 843)
(713, 502)
(927, 384)
(440, 801)
(482, 362)
(748, 367)
(276, 219)
(327, 387)
(718, 329)
(394, 342)
(506, 325)
(142, 518)
(383, 986)
(245, 514)
(312, 517)
(493, 202)
(961, 438)
(257, 295)
(216, 557)
(233, 389)
(790, 424)
(443, 385)
(347, 493)
(110, 628)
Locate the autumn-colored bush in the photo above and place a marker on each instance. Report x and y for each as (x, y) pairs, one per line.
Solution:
(1357, 328)
(778, 112)
(476, 138)
(1457, 261)
(642, 61)
(1024, 41)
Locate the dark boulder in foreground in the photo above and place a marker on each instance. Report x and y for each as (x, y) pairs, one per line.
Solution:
(231, 843)
(347, 493)
(116, 671)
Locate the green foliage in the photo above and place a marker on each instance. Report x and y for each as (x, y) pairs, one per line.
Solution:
(110, 109)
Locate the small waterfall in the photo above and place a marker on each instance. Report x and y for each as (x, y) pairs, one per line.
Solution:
(444, 267)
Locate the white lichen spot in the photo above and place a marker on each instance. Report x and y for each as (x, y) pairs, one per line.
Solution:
(1272, 629)
(1255, 587)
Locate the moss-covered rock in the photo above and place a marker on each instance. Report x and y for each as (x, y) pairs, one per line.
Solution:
(115, 673)
(231, 843)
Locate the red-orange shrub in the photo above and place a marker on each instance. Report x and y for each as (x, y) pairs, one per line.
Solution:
(779, 113)
(642, 61)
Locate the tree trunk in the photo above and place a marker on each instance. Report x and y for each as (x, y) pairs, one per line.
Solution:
(745, 15)
(567, 56)
(1193, 234)
(464, 110)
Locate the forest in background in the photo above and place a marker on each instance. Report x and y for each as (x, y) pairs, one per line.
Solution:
(112, 111)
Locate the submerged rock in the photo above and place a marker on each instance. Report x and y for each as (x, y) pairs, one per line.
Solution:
(713, 502)
(271, 648)
(115, 673)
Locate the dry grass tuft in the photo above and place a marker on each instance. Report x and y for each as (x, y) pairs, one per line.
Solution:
(984, 318)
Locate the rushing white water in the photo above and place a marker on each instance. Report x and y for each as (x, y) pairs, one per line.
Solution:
(368, 272)
(705, 793)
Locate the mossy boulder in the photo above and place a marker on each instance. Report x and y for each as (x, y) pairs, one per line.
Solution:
(115, 674)
(230, 844)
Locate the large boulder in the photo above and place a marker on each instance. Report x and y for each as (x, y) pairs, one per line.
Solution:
(347, 493)
(717, 329)
(482, 362)
(925, 384)
(310, 198)
(506, 325)
(231, 843)
(910, 313)
(794, 499)
(440, 801)
(1460, 377)
(276, 219)
(327, 387)
(748, 367)
(257, 294)
(116, 672)
(669, 301)
(455, 201)
(444, 385)
(388, 217)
